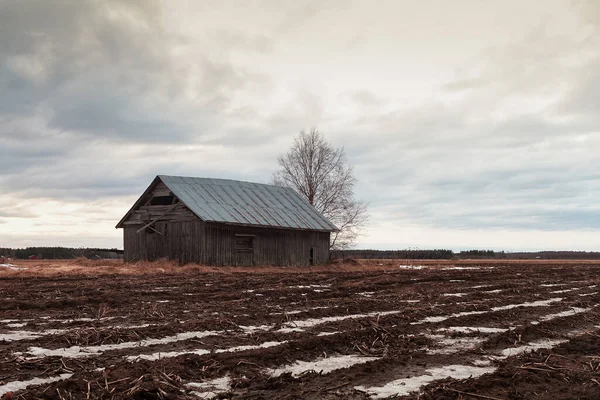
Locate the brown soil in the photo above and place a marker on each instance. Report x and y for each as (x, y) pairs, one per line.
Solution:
(62, 304)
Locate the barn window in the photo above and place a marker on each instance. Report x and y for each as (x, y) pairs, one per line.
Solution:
(311, 258)
(162, 200)
(244, 243)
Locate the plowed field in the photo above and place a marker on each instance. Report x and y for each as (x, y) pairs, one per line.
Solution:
(474, 330)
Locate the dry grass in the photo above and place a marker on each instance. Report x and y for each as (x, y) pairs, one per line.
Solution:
(82, 266)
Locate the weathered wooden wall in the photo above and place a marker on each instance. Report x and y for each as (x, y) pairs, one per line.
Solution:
(270, 246)
(215, 244)
(146, 213)
(177, 240)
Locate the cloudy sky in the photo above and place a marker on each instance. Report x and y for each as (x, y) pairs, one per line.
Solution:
(470, 124)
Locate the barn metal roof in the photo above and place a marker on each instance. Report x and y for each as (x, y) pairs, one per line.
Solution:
(246, 203)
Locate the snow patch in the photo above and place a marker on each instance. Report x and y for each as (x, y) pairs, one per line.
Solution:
(445, 317)
(20, 385)
(473, 329)
(255, 328)
(311, 322)
(403, 387)
(540, 344)
(211, 388)
(454, 345)
(411, 266)
(327, 333)
(565, 290)
(13, 267)
(568, 313)
(86, 351)
(200, 352)
(539, 303)
(324, 365)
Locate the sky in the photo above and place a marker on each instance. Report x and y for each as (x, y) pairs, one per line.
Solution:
(469, 124)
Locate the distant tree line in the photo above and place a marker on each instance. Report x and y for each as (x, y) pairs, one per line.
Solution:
(394, 254)
(55, 253)
(442, 254)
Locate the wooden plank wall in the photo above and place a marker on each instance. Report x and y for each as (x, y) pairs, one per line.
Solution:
(214, 244)
(271, 246)
(177, 240)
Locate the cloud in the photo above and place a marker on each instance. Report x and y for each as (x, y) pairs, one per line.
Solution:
(494, 133)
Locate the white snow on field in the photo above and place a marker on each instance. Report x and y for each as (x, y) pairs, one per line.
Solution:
(456, 280)
(440, 318)
(405, 386)
(410, 301)
(289, 330)
(539, 303)
(445, 317)
(200, 352)
(552, 284)
(20, 385)
(479, 286)
(366, 294)
(255, 328)
(18, 335)
(461, 268)
(588, 294)
(86, 351)
(565, 290)
(84, 319)
(540, 344)
(456, 294)
(16, 325)
(474, 329)
(311, 322)
(450, 345)
(493, 291)
(411, 266)
(327, 333)
(310, 286)
(324, 365)
(24, 335)
(568, 313)
(13, 267)
(211, 388)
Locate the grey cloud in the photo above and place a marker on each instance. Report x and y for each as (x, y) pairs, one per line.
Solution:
(103, 74)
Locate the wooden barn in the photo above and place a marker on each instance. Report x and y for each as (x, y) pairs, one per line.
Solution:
(224, 222)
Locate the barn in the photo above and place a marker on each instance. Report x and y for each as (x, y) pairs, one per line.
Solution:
(224, 222)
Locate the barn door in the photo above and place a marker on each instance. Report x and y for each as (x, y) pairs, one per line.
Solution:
(244, 250)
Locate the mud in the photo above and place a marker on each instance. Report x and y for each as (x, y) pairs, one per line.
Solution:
(183, 333)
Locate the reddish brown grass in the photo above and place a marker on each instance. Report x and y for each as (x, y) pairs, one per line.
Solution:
(96, 267)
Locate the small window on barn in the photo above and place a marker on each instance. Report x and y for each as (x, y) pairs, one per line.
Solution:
(311, 258)
(162, 200)
(244, 243)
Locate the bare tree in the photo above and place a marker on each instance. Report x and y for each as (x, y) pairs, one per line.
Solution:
(320, 173)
